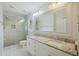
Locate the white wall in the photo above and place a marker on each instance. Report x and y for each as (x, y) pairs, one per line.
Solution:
(1, 30)
(13, 35)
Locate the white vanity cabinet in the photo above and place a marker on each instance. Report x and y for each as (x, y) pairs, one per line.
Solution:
(37, 48)
(32, 46)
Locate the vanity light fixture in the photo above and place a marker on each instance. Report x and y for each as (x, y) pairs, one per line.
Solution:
(56, 5)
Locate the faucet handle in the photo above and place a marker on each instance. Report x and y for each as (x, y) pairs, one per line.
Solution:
(77, 46)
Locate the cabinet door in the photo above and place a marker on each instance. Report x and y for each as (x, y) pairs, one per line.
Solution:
(28, 44)
(42, 50)
(33, 48)
(45, 50)
(55, 52)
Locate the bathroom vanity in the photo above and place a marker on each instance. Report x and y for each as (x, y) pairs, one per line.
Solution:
(42, 46)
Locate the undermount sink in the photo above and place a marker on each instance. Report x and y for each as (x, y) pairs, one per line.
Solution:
(41, 39)
(54, 43)
(44, 40)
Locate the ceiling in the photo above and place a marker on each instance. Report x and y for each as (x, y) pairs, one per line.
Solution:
(23, 8)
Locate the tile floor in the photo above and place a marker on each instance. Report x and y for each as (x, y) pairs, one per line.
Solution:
(16, 50)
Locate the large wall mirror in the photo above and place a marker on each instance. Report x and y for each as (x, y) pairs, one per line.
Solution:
(45, 22)
(61, 21)
(52, 21)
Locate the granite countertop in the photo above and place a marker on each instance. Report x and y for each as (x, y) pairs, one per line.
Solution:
(61, 45)
(41, 39)
(64, 46)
